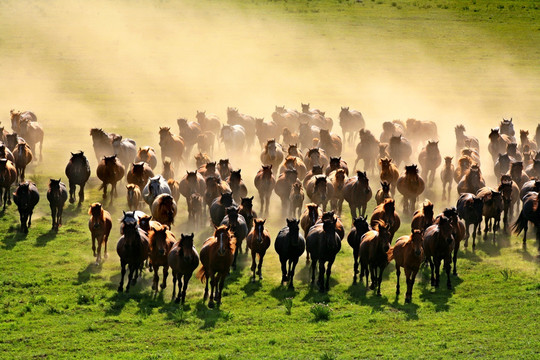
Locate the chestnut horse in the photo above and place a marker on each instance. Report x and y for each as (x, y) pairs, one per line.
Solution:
(164, 209)
(265, 183)
(389, 173)
(161, 241)
(359, 228)
(168, 170)
(208, 122)
(408, 254)
(133, 249)
(272, 154)
(100, 225)
(139, 174)
(134, 196)
(183, 259)
(438, 246)
(57, 195)
(423, 218)
(386, 211)
(331, 143)
(297, 200)
(8, 175)
(337, 178)
(447, 176)
(148, 155)
(23, 156)
(472, 181)
(258, 241)
(172, 146)
(289, 246)
(367, 150)
(217, 254)
(237, 185)
(78, 173)
(110, 170)
(373, 258)
(189, 131)
(32, 132)
(320, 190)
(410, 185)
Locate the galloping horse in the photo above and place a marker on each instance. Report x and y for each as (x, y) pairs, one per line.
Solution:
(78, 173)
(100, 225)
(289, 245)
(183, 259)
(133, 249)
(57, 195)
(258, 241)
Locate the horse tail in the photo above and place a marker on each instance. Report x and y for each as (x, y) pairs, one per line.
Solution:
(390, 254)
(520, 224)
(201, 274)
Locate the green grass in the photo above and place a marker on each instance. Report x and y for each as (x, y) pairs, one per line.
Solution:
(127, 67)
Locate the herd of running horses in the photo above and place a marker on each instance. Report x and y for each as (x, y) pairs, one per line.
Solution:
(300, 156)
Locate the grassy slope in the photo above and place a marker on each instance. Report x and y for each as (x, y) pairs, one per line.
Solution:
(56, 303)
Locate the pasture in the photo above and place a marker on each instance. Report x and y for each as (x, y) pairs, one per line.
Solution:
(130, 67)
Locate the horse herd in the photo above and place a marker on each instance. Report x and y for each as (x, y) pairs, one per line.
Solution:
(311, 165)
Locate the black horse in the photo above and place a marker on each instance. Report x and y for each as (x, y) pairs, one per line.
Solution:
(57, 195)
(323, 244)
(78, 173)
(289, 245)
(360, 227)
(26, 197)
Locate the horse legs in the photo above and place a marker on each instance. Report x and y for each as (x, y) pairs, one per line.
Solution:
(353, 210)
(205, 296)
(431, 266)
(29, 220)
(54, 217)
(328, 273)
(355, 266)
(234, 259)
(410, 275)
(165, 275)
(454, 258)
(447, 266)
(184, 288)
(437, 271)
(98, 257)
(253, 264)
(291, 272)
(379, 280)
(320, 280)
(259, 268)
(476, 225)
(174, 276)
(156, 277)
(283, 261)
(123, 272)
(398, 273)
(81, 193)
(71, 192)
(105, 190)
(130, 277)
(220, 285)
(313, 267)
(212, 289)
(373, 272)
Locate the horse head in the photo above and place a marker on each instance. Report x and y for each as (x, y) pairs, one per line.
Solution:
(460, 130)
(96, 210)
(294, 230)
(428, 209)
(445, 229)
(313, 212)
(258, 226)
(186, 246)
(389, 206)
(158, 240)
(361, 224)
(291, 175)
(417, 242)
(267, 170)
(385, 187)
(335, 162)
(129, 222)
(247, 203)
(236, 176)
(226, 199)
(224, 238)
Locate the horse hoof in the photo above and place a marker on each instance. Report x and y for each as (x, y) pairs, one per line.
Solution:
(407, 301)
(106, 255)
(291, 287)
(177, 301)
(163, 286)
(71, 201)
(120, 289)
(211, 305)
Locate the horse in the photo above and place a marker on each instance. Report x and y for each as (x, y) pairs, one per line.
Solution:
(533, 170)
(217, 254)
(447, 177)
(155, 186)
(293, 150)
(125, 149)
(26, 197)
(234, 137)
(497, 143)
(493, 207)
(386, 211)
(172, 146)
(329, 215)
(12, 140)
(265, 183)
(110, 170)
(289, 137)
(531, 185)
(189, 131)
(266, 130)
(8, 175)
(218, 208)
(367, 150)
(183, 259)
(507, 127)
(293, 162)
(289, 246)
(258, 241)
(374, 245)
(201, 158)
(462, 140)
(78, 173)
(23, 156)
(510, 196)
(139, 173)
(357, 193)
(316, 156)
(525, 141)
(209, 169)
(164, 209)
(458, 231)
(247, 122)
(315, 170)
(191, 183)
(383, 193)
(319, 121)
(337, 178)
(470, 209)
(272, 154)
(208, 122)
(237, 185)
(102, 143)
(323, 244)
(393, 128)
(502, 165)
(214, 189)
(148, 155)
(5, 153)
(57, 195)
(160, 241)
(464, 164)
(132, 248)
(195, 205)
(175, 189)
(513, 152)
(100, 225)
(410, 185)
(283, 188)
(134, 196)
(430, 159)
(359, 228)
(517, 173)
(237, 224)
(320, 190)
(296, 199)
(246, 210)
(32, 132)
(350, 121)
(408, 254)
(306, 134)
(389, 173)
(330, 143)
(18, 116)
(224, 168)
(472, 181)
(529, 212)
(420, 130)
(399, 149)
(438, 246)
(306, 109)
(206, 141)
(282, 116)
(472, 153)
(335, 164)
(423, 218)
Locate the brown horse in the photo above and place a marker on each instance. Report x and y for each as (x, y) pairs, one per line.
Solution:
(164, 209)
(330, 143)
(421, 130)
(297, 200)
(237, 185)
(458, 231)
(110, 170)
(472, 181)
(430, 159)
(447, 176)
(367, 150)
(246, 210)
(133, 249)
(510, 195)
(293, 150)
(373, 258)
(23, 156)
(533, 170)
(386, 212)
(193, 182)
(493, 207)
(265, 183)
(272, 154)
(102, 143)
(323, 244)
(134, 196)
(183, 259)
(217, 255)
(57, 195)
(470, 209)
(175, 189)
(350, 121)
(100, 225)
(410, 185)
(32, 132)
(438, 246)
(464, 164)
(393, 128)
(168, 170)
(208, 122)
(408, 254)
(517, 173)
(224, 168)
(209, 169)
(320, 190)
(357, 193)
(525, 141)
(139, 173)
(5, 153)
(383, 193)
(316, 156)
(206, 141)
(289, 137)
(266, 130)
(359, 228)
(335, 164)
(423, 218)
(201, 158)
(293, 162)
(172, 146)
(148, 155)
(309, 217)
(315, 170)
(189, 131)
(161, 241)
(337, 178)
(283, 188)
(8, 175)
(497, 143)
(389, 173)
(258, 241)
(195, 205)
(234, 117)
(18, 116)
(399, 149)
(463, 140)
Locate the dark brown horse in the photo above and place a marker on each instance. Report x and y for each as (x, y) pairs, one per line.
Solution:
(373, 258)
(464, 164)
(383, 193)
(335, 164)
(195, 206)
(438, 246)
(408, 253)
(447, 176)
(189, 131)
(367, 150)
(517, 173)
(8, 176)
(497, 143)
(492, 209)
(23, 156)
(330, 143)
(246, 210)
(57, 195)
(139, 173)
(320, 190)
(26, 197)
(359, 228)
(283, 188)
(237, 224)
(337, 178)
(183, 259)
(389, 173)
(216, 189)
(164, 209)
(510, 195)
(100, 225)
(289, 246)
(399, 149)
(386, 212)
(148, 155)
(258, 241)
(423, 218)
(110, 170)
(357, 193)
(5, 153)
(237, 185)
(472, 181)
(217, 256)
(458, 231)
(78, 173)
(265, 183)
(470, 209)
(463, 140)
(172, 146)
(161, 241)
(430, 159)
(32, 132)
(323, 244)
(224, 168)
(529, 213)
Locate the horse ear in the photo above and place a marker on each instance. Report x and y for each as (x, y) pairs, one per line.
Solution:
(192, 235)
(251, 198)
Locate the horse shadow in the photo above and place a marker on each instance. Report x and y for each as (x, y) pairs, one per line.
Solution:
(527, 256)
(281, 292)
(44, 238)
(315, 296)
(11, 240)
(359, 294)
(209, 316)
(251, 287)
(410, 310)
(119, 300)
(437, 296)
(148, 301)
(84, 275)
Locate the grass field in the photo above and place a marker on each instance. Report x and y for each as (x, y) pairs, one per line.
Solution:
(129, 67)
